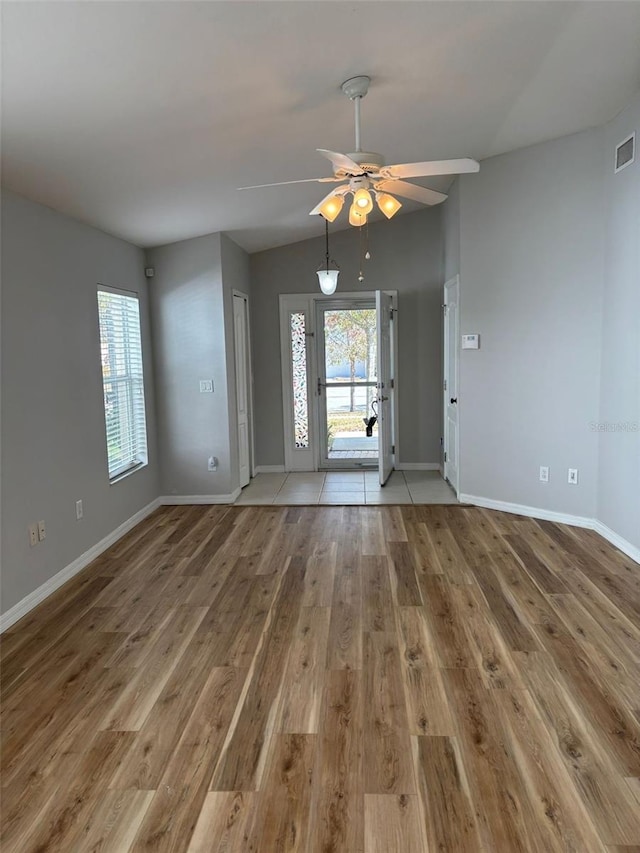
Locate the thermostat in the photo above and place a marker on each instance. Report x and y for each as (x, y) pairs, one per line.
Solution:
(471, 342)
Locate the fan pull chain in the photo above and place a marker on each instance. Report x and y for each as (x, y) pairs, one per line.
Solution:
(365, 254)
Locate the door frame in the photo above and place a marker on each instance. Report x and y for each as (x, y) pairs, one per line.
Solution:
(452, 282)
(303, 460)
(248, 356)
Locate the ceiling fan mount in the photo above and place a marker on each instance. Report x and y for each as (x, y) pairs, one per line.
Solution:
(365, 173)
(356, 87)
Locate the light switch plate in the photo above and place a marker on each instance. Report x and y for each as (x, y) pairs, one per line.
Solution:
(471, 342)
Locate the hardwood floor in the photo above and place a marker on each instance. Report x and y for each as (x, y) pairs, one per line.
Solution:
(379, 679)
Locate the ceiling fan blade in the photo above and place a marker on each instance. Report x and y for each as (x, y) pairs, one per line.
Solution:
(302, 181)
(431, 168)
(337, 191)
(402, 188)
(341, 161)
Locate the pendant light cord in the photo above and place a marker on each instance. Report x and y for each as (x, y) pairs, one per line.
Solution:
(326, 235)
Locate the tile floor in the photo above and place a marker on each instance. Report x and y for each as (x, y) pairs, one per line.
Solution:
(348, 487)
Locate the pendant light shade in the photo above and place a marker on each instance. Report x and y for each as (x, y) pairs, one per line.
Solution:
(328, 280)
(329, 270)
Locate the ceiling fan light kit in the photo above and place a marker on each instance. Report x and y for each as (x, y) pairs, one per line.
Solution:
(388, 204)
(356, 218)
(331, 207)
(366, 174)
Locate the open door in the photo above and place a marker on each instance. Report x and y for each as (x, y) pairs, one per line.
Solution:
(384, 319)
(450, 384)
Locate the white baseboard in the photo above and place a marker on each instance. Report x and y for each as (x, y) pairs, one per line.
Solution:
(179, 500)
(418, 466)
(617, 540)
(269, 469)
(44, 591)
(531, 511)
(560, 517)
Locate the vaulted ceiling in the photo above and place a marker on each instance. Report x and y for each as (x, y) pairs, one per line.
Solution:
(143, 118)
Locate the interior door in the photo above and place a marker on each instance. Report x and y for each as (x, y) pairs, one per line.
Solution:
(450, 384)
(241, 339)
(384, 328)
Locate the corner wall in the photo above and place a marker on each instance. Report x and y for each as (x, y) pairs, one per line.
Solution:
(53, 429)
(192, 316)
(619, 418)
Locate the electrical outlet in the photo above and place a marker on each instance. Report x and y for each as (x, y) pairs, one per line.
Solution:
(79, 510)
(42, 531)
(212, 464)
(544, 474)
(33, 534)
(573, 476)
(206, 386)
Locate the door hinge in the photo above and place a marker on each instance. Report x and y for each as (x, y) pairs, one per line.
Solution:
(393, 448)
(392, 383)
(445, 456)
(444, 386)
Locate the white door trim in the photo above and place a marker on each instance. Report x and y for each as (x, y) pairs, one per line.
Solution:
(448, 285)
(249, 358)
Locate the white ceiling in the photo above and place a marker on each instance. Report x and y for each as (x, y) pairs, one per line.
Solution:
(143, 118)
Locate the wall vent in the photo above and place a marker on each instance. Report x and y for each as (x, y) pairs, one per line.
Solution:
(625, 152)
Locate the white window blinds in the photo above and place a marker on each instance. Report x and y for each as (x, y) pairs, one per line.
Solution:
(122, 379)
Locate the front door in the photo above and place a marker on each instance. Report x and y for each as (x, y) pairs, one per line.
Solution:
(347, 378)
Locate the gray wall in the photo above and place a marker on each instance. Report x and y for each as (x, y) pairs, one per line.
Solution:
(619, 482)
(407, 256)
(187, 316)
(192, 318)
(53, 431)
(531, 268)
(451, 223)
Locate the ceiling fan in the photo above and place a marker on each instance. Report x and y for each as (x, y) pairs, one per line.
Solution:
(365, 174)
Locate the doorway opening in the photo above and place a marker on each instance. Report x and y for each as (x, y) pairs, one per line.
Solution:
(338, 357)
(347, 383)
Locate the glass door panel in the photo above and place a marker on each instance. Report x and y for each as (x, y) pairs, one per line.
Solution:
(347, 384)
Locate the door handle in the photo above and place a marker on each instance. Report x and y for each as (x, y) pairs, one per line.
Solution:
(454, 400)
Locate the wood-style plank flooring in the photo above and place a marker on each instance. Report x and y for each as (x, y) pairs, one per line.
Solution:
(379, 679)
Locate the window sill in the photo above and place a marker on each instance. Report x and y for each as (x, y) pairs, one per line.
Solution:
(124, 474)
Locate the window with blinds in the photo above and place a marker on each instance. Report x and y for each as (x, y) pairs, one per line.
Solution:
(122, 380)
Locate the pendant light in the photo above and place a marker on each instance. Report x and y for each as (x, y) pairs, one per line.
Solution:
(328, 275)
